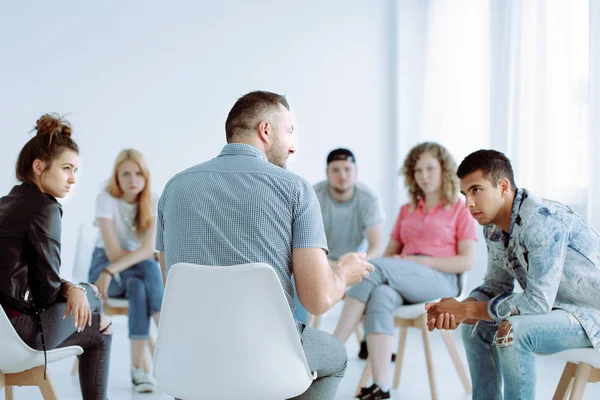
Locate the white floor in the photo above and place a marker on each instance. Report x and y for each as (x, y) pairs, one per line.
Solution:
(414, 383)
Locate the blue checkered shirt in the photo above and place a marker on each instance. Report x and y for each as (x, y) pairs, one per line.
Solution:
(238, 208)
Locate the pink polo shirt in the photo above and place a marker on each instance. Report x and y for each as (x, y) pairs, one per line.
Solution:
(435, 233)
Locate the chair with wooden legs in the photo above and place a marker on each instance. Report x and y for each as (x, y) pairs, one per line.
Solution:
(119, 306)
(415, 316)
(21, 365)
(583, 366)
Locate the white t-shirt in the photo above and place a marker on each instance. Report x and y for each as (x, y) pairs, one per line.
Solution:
(123, 215)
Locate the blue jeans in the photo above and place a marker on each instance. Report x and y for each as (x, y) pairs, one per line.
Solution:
(300, 313)
(141, 284)
(514, 363)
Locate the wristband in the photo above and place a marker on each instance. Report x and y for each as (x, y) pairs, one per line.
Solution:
(76, 287)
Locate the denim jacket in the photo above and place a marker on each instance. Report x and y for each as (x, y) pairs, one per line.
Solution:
(553, 254)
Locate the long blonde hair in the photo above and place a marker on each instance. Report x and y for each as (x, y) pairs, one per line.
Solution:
(450, 182)
(143, 218)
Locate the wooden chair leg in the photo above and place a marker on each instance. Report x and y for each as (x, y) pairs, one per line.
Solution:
(451, 345)
(566, 382)
(8, 393)
(581, 379)
(400, 356)
(150, 345)
(309, 319)
(364, 378)
(47, 389)
(428, 356)
(317, 322)
(358, 333)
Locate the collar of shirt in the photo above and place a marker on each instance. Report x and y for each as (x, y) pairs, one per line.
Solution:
(514, 216)
(421, 205)
(242, 149)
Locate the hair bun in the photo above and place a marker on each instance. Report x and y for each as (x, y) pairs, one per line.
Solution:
(52, 125)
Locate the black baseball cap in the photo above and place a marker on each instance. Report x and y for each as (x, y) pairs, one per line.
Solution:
(341, 154)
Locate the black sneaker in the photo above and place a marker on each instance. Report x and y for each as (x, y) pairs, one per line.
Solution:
(363, 354)
(373, 392)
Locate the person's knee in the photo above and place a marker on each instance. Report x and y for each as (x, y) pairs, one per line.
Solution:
(505, 335)
(135, 287)
(105, 325)
(341, 357)
(383, 299)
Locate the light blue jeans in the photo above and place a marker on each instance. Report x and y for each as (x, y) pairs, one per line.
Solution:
(141, 284)
(514, 363)
(300, 313)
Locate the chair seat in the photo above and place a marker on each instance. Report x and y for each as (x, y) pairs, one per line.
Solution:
(35, 358)
(117, 302)
(411, 311)
(589, 356)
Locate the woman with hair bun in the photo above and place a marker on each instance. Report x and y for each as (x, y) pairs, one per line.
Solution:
(47, 311)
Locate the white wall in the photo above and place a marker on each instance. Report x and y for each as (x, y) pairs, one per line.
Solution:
(161, 78)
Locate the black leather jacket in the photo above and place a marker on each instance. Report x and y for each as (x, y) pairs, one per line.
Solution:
(30, 227)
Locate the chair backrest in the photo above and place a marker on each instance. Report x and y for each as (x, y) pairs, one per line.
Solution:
(228, 333)
(83, 251)
(462, 284)
(15, 355)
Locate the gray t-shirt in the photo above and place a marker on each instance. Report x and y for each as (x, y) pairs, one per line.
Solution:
(345, 223)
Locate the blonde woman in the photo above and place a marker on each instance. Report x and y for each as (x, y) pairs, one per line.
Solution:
(123, 263)
(433, 240)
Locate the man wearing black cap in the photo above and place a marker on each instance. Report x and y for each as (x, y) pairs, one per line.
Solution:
(352, 213)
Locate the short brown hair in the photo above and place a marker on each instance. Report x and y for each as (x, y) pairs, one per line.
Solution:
(493, 164)
(250, 107)
(52, 138)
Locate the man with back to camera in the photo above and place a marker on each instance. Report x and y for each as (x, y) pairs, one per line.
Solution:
(246, 199)
(352, 213)
(553, 254)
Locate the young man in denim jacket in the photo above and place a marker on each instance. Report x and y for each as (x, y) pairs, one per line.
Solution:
(551, 252)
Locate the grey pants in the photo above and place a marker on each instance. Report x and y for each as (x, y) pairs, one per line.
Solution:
(395, 282)
(59, 332)
(326, 355)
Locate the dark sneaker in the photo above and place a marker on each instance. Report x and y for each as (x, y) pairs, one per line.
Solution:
(373, 392)
(363, 354)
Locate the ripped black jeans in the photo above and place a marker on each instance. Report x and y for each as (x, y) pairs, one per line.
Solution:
(59, 332)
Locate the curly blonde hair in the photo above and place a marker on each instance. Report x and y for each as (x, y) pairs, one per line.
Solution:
(450, 184)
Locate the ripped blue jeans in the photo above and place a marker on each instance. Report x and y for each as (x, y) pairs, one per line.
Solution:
(510, 359)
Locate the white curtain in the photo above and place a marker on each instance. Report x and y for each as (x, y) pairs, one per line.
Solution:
(593, 199)
(540, 87)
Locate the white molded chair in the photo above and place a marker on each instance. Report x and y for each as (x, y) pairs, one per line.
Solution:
(415, 315)
(20, 365)
(583, 366)
(228, 333)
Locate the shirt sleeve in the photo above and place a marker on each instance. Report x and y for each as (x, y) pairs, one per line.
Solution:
(104, 205)
(159, 245)
(465, 225)
(44, 235)
(307, 225)
(373, 213)
(395, 235)
(547, 249)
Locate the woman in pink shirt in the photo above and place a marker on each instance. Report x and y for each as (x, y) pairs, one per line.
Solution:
(433, 240)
